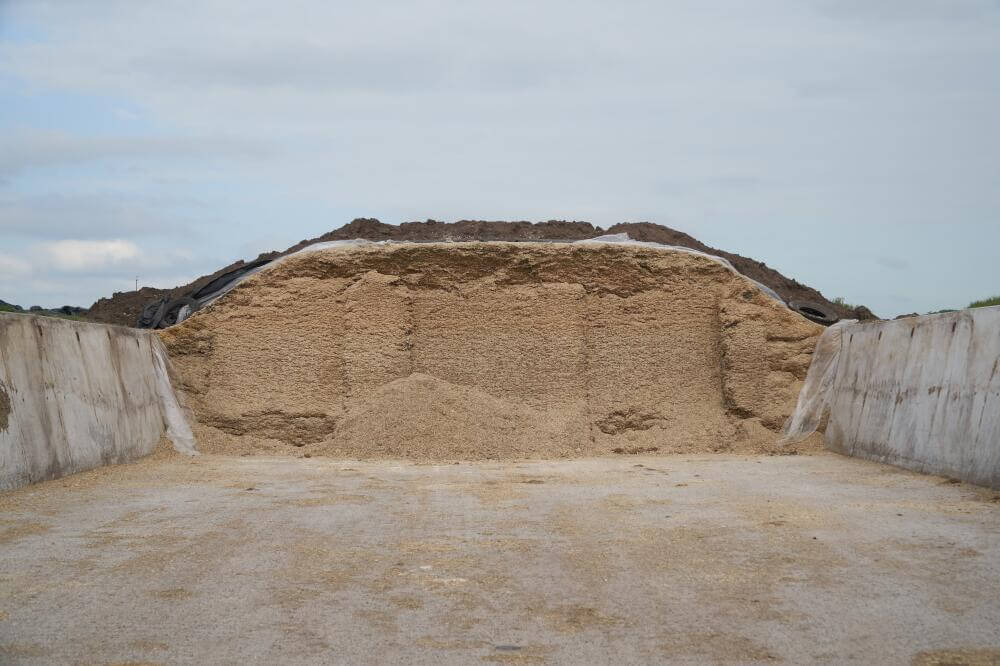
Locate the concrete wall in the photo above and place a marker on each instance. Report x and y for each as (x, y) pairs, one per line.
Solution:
(74, 396)
(922, 393)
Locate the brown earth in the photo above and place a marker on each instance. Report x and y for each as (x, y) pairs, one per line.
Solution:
(502, 350)
(123, 308)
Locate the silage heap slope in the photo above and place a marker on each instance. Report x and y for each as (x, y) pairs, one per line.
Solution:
(491, 350)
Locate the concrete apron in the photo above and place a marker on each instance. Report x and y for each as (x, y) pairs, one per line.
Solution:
(666, 559)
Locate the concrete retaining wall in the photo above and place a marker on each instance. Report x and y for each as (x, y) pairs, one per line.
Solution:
(922, 393)
(74, 396)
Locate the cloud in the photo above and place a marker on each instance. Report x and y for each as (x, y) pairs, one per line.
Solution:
(28, 149)
(108, 257)
(909, 9)
(893, 263)
(392, 69)
(329, 48)
(91, 216)
(12, 267)
(89, 255)
(79, 272)
(304, 67)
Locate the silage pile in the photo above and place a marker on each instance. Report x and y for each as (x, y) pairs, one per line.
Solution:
(460, 351)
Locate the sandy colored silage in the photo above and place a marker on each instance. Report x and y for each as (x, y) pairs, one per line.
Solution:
(500, 350)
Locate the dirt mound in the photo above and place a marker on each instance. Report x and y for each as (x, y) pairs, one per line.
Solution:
(422, 416)
(123, 308)
(491, 350)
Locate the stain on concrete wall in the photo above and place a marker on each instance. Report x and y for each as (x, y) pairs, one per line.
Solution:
(4, 407)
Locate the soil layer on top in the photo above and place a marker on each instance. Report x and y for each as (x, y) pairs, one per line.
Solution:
(123, 308)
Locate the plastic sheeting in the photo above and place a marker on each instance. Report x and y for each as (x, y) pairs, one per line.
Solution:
(816, 394)
(211, 298)
(178, 431)
(621, 239)
(625, 239)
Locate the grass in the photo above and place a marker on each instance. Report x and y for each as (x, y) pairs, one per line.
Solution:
(844, 304)
(42, 313)
(986, 302)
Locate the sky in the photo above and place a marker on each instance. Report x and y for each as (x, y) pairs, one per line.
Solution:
(852, 144)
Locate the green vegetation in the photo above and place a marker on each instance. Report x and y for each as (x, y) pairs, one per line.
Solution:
(4, 307)
(986, 302)
(844, 304)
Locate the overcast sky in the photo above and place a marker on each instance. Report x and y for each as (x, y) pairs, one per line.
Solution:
(852, 144)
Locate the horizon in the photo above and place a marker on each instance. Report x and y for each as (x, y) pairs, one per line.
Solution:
(141, 285)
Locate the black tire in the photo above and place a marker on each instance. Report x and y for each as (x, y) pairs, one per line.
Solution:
(224, 279)
(152, 313)
(173, 309)
(815, 312)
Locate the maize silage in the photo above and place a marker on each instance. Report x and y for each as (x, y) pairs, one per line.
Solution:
(449, 351)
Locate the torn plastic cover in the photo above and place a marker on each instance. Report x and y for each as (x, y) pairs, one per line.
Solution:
(622, 239)
(815, 396)
(210, 298)
(178, 430)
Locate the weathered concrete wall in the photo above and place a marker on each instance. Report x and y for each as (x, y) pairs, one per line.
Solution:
(74, 396)
(922, 393)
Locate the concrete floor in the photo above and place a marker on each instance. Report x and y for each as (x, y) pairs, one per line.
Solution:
(628, 560)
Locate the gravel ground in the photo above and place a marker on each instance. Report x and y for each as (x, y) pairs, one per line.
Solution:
(686, 559)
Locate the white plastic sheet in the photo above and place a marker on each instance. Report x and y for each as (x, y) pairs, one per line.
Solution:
(815, 396)
(625, 239)
(211, 298)
(178, 430)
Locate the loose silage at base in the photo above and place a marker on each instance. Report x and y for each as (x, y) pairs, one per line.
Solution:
(464, 351)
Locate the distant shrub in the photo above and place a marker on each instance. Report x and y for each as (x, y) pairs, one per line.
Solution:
(844, 304)
(986, 302)
(6, 307)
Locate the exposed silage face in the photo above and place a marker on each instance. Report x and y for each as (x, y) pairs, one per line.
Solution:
(498, 350)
